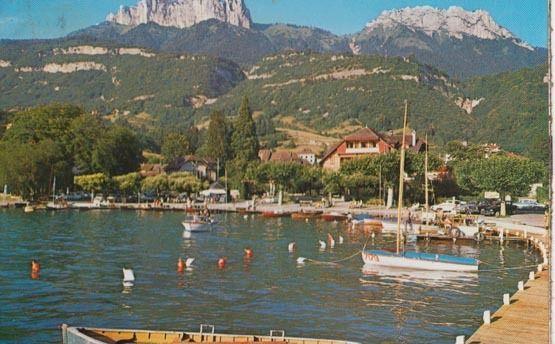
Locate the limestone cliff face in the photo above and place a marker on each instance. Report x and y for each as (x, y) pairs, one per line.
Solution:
(454, 21)
(183, 13)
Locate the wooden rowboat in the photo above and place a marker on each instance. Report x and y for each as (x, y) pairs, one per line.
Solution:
(275, 213)
(103, 336)
(302, 215)
(334, 216)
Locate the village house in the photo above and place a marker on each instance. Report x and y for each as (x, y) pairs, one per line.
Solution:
(266, 155)
(367, 142)
(205, 169)
(308, 156)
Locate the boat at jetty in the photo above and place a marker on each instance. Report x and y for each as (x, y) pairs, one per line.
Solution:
(103, 336)
(275, 213)
(334, 216)
(411, 259)
(306, 214)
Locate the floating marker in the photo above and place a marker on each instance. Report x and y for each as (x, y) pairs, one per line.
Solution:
(373, 235)
(520, 286)
(459, 340)
(128, 278)
(331, 241)
(301, 260)
(506, 299)
(341, 239)
(531, 276)
(180, 265)
(487, 317)
(35, 266)
(540, 268)
(189, 262)
(249, 252)
(291, 247)
(322, 245)
(222, 262)
(306, 220)
(246, 217)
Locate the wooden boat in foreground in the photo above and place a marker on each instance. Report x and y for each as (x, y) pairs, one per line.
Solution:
(81, 335)
(275, 213)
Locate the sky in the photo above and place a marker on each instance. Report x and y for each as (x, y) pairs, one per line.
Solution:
(19, 19)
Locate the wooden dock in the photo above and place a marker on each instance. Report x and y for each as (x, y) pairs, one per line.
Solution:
(526, 318)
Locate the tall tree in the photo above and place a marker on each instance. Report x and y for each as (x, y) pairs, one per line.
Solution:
(85, 130)
(117, 152)
(244, 140)
(217, 138)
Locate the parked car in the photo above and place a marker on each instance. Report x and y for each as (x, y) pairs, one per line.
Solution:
(449, 206)
(470, 208)
(528, 205)
(489, 207)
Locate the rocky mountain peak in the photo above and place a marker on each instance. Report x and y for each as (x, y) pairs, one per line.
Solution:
(454, 21)
(182, 13)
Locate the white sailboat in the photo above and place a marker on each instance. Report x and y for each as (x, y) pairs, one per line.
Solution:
(410, 259)
(197, 225)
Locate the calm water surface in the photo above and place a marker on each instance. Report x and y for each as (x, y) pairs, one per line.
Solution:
(82, 254)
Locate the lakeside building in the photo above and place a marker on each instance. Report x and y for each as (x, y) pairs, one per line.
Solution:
(367, 142)
(202, 168)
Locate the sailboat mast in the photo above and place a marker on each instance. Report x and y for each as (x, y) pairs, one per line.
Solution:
(426, 180)
(54, 190)
(401, 179)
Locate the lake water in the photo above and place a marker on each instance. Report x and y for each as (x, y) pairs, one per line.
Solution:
(82, 254)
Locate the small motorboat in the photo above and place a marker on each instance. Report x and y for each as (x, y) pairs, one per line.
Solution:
(334, 216)
(28, 209)
(58, 205)
(197, 224)
(206, 335)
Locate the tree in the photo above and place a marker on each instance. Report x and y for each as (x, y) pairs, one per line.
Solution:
(504, 174)
(175, 145)
(128, 183)
(244, 140)
(217, 138)
(85, 131)
(92, 183)
(158, 184)
(117, 152)
(185, 182)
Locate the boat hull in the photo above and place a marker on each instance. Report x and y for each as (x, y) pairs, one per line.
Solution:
(196, 227)
(304, 215)
(381, 258)
(274, 214)
(334, 217)
(71, 335)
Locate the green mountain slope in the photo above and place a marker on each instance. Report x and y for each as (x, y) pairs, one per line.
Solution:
(110, 79)
(323, 91)
(514, 110)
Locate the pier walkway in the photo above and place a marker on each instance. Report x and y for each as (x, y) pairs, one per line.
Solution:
(526, 318)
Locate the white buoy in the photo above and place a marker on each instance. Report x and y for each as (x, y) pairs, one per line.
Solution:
(459, 340)
(301, 260)
(520, 285)
(128, 278)
(246, 217)
(540, 268)
(322, 245)
(506, 299)
(306, 220)
(291, 247)
(341, 240)
(531, 276)
(373, 235)
(189, 262)
(187, 235)
(487, 317)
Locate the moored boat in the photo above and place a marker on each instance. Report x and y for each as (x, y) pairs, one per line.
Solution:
(305, 214)
(103, 336)
(28, 209)
(275, 213)
(334, 216)
(197, 224)
(419, 261)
